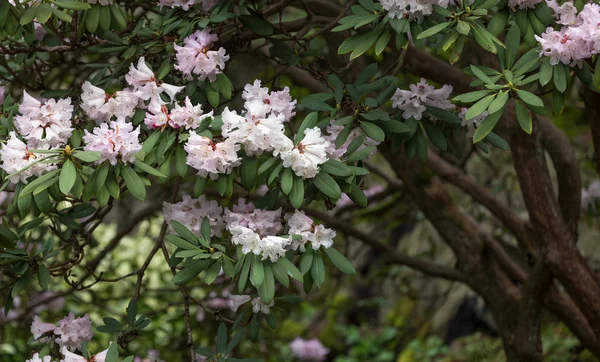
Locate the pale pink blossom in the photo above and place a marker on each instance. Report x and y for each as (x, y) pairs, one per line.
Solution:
(71, 331)
(146, 86)
(421, 95)
(305, 157)
(119, 141)
(195, 56)
(259, 307)
(311, 350)
(190, 212)
(15, 156)
(44, 123)
(210, 158)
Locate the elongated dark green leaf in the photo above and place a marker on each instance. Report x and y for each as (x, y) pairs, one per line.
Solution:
(479, 107)
(513, 39)
(486, 126)
(374, 132)
(433, 30)
(317, 269)
(340, 261)
(327, 185)
(297, 193)
(530, 98)
(498, 102)
(258, 273)
(68, 175)
(523, 117)
(134, 184)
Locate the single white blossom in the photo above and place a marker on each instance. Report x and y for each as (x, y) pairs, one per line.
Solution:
(415, 101)
(15, 156)
(146, 86)
(259, 306)
(304, 159)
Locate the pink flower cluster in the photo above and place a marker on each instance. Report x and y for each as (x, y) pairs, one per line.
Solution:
(523, 4)
(415, 101)
(207, 5)
(119, 141)
(211, 158)
(188, 116)
(190, 212)
(579, 39)
(195, 56)
(47, 123)
(333, 132)
(311, 350)
(413, 9)
(69, 332)
(590, 197)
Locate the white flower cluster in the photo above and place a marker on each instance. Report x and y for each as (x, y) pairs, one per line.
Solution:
(190, 212)
(590, 197)
(260, 129)
(578, 40)
(195, 56)
(236, 301)
(413, 9)
(188, 116)
(145, 85)
(15, 156)
(311, 350)
(523, 4)
(257, 231)
(72, 357)
(119, 141)
(305, 227)
(207, 5)
(471, 124)
(43, 126)
(102, 107)
(36, 358)
(333, 132)
(69, 332)
(47, 123)
(210, 158)
(415, 101)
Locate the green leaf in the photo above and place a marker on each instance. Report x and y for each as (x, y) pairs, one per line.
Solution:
(61, 15)
(113, 353)
(72, 4)
(483, 38)
(317, 269)
(373, 131)
(471, 96)
(68, 175)
(43, 13)
(382, 42)
(87, 156)
(21, 283)
(222, 337)
(180, 162)
(513, 40)
(364, 45)
(290, 269)
(530, 98)
(296, 195)
(463, 28)
(327, 185)
(212, 273)
(486, 126)
(243, 280)
(133, 182)
(435, 134)
(523, 117)
(287, 181)
(546, 72)
(479, 107)
(205, 229)
(258, 273)
(92, 18)
(212, 96)
(43, 276)
(267, 290)
(360, 154)
(433, 30)
(499, 102)
(340, 261)
(358, 196)
(336, 168)
(184, 232)
(481, 75)
(561, 75)
(257, 24)
(28, 16)
(306, 260)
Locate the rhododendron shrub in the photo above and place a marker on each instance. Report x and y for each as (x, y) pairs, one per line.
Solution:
(258, 128)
